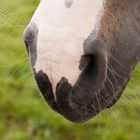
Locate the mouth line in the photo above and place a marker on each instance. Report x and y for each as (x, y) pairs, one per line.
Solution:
(75, 111)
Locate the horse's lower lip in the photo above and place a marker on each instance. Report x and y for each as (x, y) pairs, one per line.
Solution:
(46, 90)
(68, 103)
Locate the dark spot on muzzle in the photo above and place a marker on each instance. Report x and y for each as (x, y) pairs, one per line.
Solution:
(68, 3)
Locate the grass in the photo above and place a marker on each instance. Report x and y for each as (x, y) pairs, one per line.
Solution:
(24, 114)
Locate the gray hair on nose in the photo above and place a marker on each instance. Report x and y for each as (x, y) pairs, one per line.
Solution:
(68, 3)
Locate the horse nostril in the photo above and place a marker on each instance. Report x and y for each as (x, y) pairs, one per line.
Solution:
(30, 40)
(28, 34)
(28, 37)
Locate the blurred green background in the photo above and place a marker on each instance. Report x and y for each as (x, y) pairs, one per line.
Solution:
(24, 115)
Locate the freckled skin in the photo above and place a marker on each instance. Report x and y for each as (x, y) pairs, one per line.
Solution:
(83, 54)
